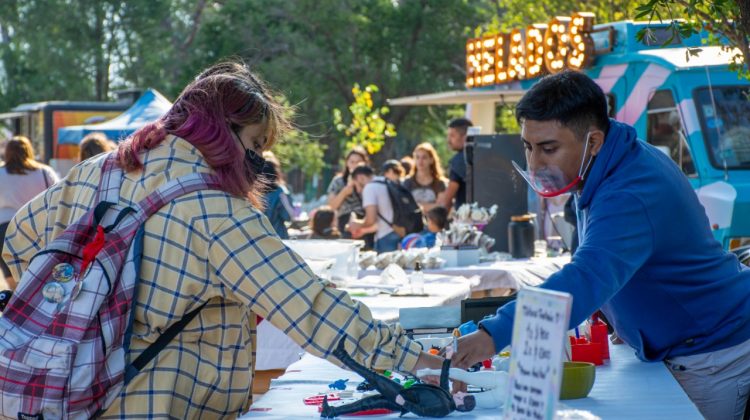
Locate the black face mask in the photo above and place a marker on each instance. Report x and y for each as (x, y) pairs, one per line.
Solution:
(255, 162)
(257, 165)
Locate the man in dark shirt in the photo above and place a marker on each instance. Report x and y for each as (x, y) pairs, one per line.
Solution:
(455, 195)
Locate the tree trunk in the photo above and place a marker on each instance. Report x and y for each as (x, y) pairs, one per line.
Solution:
(100, 71)
(743, 25)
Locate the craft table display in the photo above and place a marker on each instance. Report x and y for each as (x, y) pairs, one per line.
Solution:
(625, 388)
(505, 275)
(276, 351)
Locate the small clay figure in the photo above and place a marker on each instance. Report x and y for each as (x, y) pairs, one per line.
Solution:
(494, 384)
(424, 400)
(339, 385)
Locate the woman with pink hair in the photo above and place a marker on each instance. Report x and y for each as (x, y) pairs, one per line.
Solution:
(213, 248)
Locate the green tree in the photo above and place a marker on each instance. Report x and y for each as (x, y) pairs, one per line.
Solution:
(366, 128)
(58, 50)
(46, 57)
(512, 14)
(315, 50)
(723, 19)
(312, 51)
(299, 150)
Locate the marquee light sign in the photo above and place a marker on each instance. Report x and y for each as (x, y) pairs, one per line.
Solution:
(564, 42)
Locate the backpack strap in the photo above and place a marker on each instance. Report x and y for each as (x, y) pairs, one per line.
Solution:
(110, 180)
(152, 350)
(173, 189)
(389, 197)
(143, 210)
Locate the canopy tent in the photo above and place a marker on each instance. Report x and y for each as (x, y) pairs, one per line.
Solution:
(148, 108)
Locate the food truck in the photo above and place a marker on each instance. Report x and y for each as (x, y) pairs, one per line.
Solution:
(40, 122)
(683, 98)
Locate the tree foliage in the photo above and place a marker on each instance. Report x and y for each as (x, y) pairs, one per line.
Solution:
(82, 50)
(298, 150)
(723, 19)
(311, 51)
(513, 14)
(366, 126)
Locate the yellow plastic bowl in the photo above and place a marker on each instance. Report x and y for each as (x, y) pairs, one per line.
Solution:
(577, 380)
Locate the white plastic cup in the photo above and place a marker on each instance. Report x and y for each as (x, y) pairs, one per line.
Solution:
(540, 248)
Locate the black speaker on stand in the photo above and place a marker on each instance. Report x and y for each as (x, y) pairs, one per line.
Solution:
(491, 179)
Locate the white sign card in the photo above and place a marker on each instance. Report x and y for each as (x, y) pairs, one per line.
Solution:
(536, 360)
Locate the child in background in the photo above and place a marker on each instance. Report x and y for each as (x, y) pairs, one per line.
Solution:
(324, 224)
(437, 220)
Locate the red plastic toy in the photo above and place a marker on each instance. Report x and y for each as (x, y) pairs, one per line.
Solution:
(599, 336)
(373, 412)
(318, 399)
(585, 351)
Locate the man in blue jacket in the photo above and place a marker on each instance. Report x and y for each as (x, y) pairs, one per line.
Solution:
(646, 256)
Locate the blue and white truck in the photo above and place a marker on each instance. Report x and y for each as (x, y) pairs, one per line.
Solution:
(693, 107)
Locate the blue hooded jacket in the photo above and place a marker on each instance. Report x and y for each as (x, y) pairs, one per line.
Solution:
(648, 259)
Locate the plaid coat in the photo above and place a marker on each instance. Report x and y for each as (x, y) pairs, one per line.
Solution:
(207, 246)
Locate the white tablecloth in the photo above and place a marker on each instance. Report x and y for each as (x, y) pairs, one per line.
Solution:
(626, 388)
(276, 351)
(512, 274)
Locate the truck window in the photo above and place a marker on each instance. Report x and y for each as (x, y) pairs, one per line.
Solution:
(665, 131)
(611, 105)
(724, 114)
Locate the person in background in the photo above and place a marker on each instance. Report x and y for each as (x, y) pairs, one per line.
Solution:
(21, 179)
(646, 254)
(323, 224)
(3, 143)
(407, 163)
(455, 194)
(437, 221)
(278, 203)
(212, 247)
(426, 181)
(378, 209)
(569, 212)
(392, 170)
(94, 144)
(342, 195)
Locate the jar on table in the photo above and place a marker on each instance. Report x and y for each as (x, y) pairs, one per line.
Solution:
(521, 236)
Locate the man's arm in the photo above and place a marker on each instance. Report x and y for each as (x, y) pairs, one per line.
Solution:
(446, 198)
(371, 217)
(370, 204)
(360, 227)
(619, 240)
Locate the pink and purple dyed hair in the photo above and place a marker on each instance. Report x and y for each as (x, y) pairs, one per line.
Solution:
(224, 97)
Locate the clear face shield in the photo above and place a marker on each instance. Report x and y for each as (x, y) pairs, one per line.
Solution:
(550, 181)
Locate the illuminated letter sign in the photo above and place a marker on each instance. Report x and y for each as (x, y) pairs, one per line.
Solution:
(535, 50)
(501, 58)
(516, 56)
(565, 42)
(556, 44)
(581, 45)
(489, 44)
(473, 59)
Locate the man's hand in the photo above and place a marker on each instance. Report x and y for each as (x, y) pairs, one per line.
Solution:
(472, 349)
(429, 361)
(355, 228)
(350, 186)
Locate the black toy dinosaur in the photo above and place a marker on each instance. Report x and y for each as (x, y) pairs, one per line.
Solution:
(424, 400)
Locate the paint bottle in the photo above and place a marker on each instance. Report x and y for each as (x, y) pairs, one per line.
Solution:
(416, 280)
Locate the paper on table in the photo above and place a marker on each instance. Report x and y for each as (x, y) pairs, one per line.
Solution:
(539, 328)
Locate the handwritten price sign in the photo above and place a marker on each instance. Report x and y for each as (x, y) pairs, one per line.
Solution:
(539, 328)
